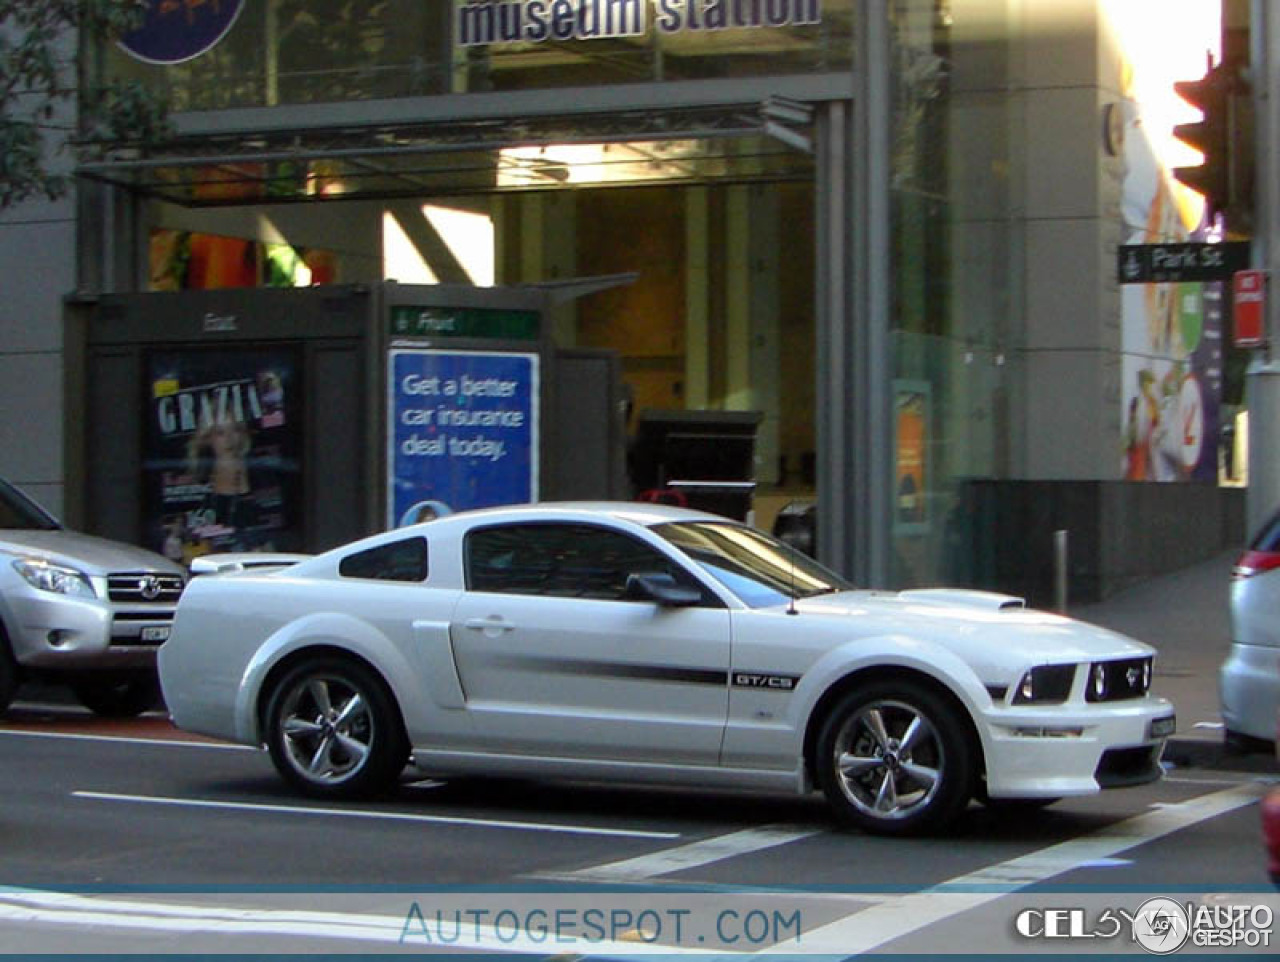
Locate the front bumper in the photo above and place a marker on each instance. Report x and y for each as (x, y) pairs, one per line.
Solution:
(1249, 687)
(1075, 749)
(54, 632)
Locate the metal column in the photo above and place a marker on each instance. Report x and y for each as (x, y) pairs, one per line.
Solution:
(1262, 385)
(854, 365)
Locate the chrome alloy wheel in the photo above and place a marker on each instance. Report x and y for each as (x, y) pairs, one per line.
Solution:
(889, 760)
(328, 728)
(334, 729)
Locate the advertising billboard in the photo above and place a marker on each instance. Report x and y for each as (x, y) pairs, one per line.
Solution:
(463, 431)
(222, 452)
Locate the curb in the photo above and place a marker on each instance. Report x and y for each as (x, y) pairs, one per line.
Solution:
(1215, 755)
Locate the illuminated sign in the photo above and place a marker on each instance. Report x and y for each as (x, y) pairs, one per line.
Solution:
(173, 31)
(462, 432)
(538, 21)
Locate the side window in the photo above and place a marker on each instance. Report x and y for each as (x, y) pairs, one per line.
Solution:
(561, 560)
(398, 561)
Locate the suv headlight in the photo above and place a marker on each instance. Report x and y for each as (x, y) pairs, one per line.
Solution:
(1045, 685)
(55, 578)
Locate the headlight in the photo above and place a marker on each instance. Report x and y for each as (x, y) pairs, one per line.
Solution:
(55, 578)
(1045, 685)
(1118, 680)
(1098, 683)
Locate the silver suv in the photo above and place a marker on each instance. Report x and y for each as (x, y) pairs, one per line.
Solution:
(80, 609)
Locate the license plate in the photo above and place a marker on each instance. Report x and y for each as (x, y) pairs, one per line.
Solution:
(155, 633)
(1163, 727)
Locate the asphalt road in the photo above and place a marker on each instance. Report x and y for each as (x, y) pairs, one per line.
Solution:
(131, 837)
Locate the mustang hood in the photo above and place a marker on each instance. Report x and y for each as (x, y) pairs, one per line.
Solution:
(976, 624)
(84, 551)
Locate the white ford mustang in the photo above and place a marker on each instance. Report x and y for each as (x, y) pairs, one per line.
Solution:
(653, 644)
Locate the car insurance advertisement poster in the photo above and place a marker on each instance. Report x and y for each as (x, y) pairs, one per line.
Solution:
(222, 453)
(463, 431)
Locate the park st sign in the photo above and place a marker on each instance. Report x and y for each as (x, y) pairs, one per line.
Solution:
(1159, 263)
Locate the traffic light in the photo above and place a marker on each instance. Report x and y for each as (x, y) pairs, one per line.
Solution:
(1224, 136)
(1211, 94)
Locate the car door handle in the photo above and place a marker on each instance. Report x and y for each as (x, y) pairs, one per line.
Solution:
(491, 624)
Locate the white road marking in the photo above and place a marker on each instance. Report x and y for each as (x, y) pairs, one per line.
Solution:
(425, 783)
(1107, 863)
(888, 921)
(1177, 780)
(861, 931)
(130, 740)
(694, 854)
(384, 816)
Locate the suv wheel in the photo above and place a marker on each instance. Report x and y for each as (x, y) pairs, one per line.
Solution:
(10, 673)
(117, 696)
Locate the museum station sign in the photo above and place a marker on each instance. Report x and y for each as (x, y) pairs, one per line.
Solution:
(538, 21)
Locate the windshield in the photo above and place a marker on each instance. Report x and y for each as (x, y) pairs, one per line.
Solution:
(759, 569)
(19, 512)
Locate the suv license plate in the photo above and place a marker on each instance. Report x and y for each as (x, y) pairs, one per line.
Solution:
(155, 633)
(1163, 727)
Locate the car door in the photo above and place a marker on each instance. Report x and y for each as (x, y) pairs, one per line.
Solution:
(556, 660)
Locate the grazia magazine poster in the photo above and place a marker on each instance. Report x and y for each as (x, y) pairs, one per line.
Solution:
(222, 452)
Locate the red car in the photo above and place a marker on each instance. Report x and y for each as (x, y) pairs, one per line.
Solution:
(1271, 832)
(1271, 821)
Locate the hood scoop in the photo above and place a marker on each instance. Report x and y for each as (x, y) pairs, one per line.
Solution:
(965, 598)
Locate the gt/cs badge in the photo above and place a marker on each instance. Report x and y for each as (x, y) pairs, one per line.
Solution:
(753, 679)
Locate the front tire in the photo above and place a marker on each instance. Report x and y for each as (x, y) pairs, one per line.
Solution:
(10, 673)
(333, 730)
(117, 696)
(893, 758)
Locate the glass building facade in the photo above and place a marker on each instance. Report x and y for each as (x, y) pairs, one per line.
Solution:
(886, 225)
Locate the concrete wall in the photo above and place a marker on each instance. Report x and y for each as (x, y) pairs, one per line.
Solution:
(1072, 336)
(1119, 533)
(37, 267)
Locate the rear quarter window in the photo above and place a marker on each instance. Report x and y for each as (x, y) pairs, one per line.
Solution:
(398, 561)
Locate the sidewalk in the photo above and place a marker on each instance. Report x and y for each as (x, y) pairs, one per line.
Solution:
(1186, 617)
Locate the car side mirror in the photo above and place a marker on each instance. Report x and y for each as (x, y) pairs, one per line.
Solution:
(662, 589)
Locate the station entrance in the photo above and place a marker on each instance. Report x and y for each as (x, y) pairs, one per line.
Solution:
(713, 227)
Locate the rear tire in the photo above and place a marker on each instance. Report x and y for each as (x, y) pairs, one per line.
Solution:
(1238, 743)
(334, 731)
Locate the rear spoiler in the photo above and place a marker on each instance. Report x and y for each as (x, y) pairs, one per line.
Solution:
(231, 562)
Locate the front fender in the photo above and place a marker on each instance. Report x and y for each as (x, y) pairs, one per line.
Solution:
(901, 652)
(321, 630)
